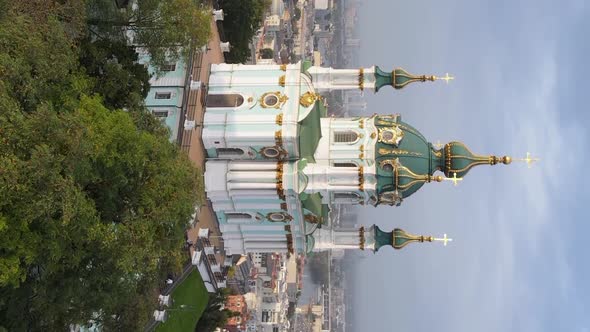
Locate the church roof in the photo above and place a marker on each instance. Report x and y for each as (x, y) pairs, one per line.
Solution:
(310, 131)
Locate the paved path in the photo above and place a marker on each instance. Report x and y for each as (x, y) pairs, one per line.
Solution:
(191, 140)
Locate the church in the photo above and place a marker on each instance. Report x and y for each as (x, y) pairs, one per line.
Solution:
(276, 162)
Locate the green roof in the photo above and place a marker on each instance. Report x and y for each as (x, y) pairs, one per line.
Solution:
(305, 65)
(313, 203)
(310, 132)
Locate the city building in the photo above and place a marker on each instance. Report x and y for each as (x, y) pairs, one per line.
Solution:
(168, 89)
(237, 303)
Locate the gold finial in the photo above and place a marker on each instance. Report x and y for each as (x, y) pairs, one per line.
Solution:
(438, 145)
(454, 179)
(528, 160)
(444, 240)
(438, 178)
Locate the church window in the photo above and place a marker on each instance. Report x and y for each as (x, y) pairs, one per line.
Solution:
(347, 198)
(278, 217)
(229, 100)
(271, 152)
(160, 114)
(169, 67)
(346, 136)
(229, 152)
(237, 216)
(345, 164)
(271, 100)
(163, 95)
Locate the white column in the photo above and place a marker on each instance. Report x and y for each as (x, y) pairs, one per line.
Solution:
(252, 166)
(250, 186)
(253, 177)
(326, 79)
(260, 193)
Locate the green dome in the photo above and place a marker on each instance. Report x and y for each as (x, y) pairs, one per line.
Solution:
(458, 159)
(398, 78)
(406, 160)
(398, 238)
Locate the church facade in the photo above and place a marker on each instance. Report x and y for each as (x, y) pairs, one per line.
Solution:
(276, 162)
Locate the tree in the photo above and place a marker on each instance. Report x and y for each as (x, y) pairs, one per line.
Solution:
(215, 315)
(297, 14)
(266, 53)
(164, 28)
(93, 201)
(242, 20)
(115, 72)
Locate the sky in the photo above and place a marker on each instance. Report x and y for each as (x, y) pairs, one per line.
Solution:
(519, 261)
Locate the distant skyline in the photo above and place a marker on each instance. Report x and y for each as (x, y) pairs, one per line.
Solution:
(519, 260)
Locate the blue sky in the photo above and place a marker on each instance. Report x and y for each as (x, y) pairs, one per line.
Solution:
(519, 261)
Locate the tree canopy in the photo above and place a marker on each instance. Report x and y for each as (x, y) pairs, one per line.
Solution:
(242, 20)
(164, 28)
(94, 200)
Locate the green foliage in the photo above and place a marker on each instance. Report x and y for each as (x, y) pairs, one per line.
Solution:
(93, 202)
(165, 28)
(117, 76)
(189, 301)
(266, 53)
(297, 14)
(242, 19)
(36, 61)
(214, 315)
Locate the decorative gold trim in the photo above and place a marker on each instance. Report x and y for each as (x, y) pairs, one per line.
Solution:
(311, 218)
(361, 79)
(279, 138)
(282, 80)
(362, 238)
(383, 151)
(284, 206)
(361, 178)
(279, 179)
(283, 67)
(361, 123)
(279, 119)
(396, 135)
(286, 217)
(282, 153)
(290, 243)
(281, 100)
(373, 135)
(309, 98)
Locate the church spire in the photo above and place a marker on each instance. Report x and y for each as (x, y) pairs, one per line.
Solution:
(399, 78)
(399, 238)
(458, 160)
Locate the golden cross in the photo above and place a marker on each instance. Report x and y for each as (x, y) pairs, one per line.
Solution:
(444, 240)
(446, 78)
(438, 144)
(454, 179)
(529, 160)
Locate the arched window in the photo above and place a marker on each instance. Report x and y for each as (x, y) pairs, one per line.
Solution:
(345, 164)
(347, 198)
(229, 152)
(230, 100)
(346, 136)
(237, 217)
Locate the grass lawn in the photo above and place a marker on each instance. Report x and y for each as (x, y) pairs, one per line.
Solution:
(191, 293)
